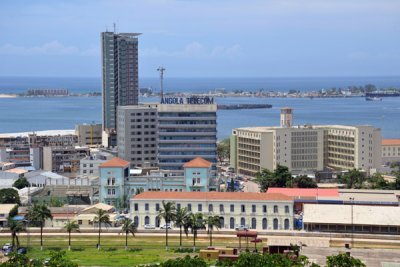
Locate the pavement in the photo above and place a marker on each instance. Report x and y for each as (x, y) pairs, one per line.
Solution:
(251, 186)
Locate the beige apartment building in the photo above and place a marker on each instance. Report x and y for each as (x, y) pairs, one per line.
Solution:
(390, 150)
(305, 148)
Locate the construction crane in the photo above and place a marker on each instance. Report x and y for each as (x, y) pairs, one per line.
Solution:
(161, 69)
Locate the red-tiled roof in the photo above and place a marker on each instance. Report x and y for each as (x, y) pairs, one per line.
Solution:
(197, 163)
(115, 162)
(391, 142)
(211, 196)
(304, 192)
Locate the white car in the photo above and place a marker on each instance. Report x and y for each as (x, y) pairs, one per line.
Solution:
(241, 228)
(7, 246)
(165, 226)
(149, 226)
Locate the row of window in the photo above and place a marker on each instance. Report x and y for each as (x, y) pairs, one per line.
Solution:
(211, 208)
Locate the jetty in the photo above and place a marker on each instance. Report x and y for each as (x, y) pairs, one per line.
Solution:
(244, 106)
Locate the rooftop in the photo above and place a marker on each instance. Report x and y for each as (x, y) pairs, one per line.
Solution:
(198, 162)
(305, 192)
(115, 163)
(341, 214)
(212, 196)
(391, 142)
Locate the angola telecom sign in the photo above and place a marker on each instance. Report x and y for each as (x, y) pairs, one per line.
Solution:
(193, 100)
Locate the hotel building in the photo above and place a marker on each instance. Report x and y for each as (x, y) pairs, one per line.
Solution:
(257, 211)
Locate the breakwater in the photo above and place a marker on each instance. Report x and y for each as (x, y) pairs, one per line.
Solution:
(244, 106)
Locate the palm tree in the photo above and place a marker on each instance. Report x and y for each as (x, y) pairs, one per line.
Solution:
(212, 221)
(167, 212)
(15, 227)
(180, 219)
(39, 213)
(102, 217)
(128, 227)
(195, 222)
(69, 227)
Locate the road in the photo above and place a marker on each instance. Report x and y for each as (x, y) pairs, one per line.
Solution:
(251, 186)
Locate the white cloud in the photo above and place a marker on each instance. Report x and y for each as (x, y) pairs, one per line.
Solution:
(50, 48)
(195, 50)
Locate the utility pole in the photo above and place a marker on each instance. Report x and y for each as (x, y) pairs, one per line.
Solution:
(161, 69)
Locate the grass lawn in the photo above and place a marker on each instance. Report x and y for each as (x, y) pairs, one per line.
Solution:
(141, 250)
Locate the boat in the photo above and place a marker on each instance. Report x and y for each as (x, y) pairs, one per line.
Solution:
(375, 98)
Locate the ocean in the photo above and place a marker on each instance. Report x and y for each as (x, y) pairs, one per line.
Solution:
(33, 114)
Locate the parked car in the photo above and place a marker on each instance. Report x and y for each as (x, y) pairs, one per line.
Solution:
(21, 251)
(6, 246)
(8, 251)
(46, 262)
(241, 228)
(165, 226)
(149, 226)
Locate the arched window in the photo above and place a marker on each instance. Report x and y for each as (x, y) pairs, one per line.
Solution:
(276, 224)
(210, 208)
(146, 220)
(222, 222)
(253, 223)
(243, 221)
(232, 223)
(136, 221)
(157, 220)
(264, 224)
(286, 224)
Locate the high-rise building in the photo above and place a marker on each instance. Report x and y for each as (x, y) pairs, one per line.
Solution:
(120, 74)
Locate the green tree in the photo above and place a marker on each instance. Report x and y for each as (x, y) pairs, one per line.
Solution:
(21, 260)
(212, 221)
(128, 227)
(195, 222)
(353, 179)
(39, 213)
(343, 260)
(9, 196)
(15, 228)
(168, 213)
(102, 217)
(232, 185)
(377, 181)
(71, 226)
(223, 149)
(22, 182)
(303, 181)
(265, 179)
(187, 261)
(59, 259)
(180, 219)
(283, 176)
(13, 212)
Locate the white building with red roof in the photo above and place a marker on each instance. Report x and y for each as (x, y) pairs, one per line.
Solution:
(258, 211)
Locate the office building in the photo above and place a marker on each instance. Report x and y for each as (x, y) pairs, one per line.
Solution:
(138, 135)
(390, 150)
(257, 211)
(187, 128)
(89, 165)
(349, 147)
(304, 148)
(119, 73)
(89, 134)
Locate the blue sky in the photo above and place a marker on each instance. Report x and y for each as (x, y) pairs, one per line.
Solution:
(205, 38)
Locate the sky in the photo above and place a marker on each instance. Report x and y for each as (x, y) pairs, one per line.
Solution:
(205, 38)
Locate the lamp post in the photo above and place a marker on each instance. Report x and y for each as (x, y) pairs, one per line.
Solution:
(352, 222)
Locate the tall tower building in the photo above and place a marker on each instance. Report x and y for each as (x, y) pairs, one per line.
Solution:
(120, 74)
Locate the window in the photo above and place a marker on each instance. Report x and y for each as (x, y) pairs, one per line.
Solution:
(253, 223)
(275, 209)
(210, 208)
(189, 207)
(286, 224)
(286, 209)
(243, 221)
(178, 206)
(232, 223)
(157, 206)
(243, 208)
(253, 208)
(265, 208)
(136, 207)
(276, 224)
(221, 208)
(79, 222)
(232, 208)
(199, 207)
(264, 224)
(146, 206)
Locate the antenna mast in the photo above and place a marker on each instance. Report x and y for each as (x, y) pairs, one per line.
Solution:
(161, 69)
